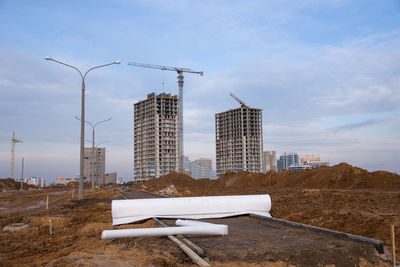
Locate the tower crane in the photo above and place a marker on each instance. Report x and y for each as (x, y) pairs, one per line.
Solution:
(13, 142)
(180, 72)
(238, 100)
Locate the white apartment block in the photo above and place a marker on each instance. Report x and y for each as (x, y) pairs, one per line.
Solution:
(239, 143)
(156, 136)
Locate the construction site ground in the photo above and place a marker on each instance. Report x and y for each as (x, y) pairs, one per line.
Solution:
(357, 202)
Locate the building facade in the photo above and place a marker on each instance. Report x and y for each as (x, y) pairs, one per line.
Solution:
(200, 168)
(94, 165)
(269, 161)
(65, 180)
(313, 161)
(206, 163)
(36, 181)
(156, 136)
(239, 143)
(286, 160)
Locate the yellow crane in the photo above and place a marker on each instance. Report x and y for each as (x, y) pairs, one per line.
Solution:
(13, 142)
(180, 72)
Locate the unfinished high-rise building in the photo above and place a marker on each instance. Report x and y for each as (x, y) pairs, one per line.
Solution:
(239, 143)
(156, 136)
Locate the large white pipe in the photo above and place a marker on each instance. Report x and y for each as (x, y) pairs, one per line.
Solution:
(132, 210)
(166, 231)
(194, 223)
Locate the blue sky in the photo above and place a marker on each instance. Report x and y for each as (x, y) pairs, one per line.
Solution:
(325, 73)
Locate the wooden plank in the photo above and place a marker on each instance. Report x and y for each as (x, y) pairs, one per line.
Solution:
(189, 243)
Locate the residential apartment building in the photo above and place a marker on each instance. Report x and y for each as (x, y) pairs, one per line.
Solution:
(286, 160)
(65, 180)
(94, 165)
(156, 136)
(200, 168)
(269, 161)
(239, 143)
(37, 181)
(313, 161)
(206, 163)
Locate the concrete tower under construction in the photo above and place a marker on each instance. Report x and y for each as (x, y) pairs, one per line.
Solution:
(239, 143)
(156, 136)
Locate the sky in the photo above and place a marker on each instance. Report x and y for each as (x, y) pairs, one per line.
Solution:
(325, 73)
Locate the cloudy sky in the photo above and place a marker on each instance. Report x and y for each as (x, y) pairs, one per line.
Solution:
(325, 73)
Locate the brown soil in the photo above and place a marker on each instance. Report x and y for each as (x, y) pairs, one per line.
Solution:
(10, 184)
(341, 197)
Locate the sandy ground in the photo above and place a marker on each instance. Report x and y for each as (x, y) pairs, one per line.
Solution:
(359, 206)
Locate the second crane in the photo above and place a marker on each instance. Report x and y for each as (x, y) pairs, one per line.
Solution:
(180, 72)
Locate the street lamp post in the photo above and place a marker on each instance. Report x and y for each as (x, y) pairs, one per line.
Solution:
(83, 76)
(93, 143)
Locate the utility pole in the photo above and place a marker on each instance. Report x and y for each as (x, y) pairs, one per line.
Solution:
(13, 142)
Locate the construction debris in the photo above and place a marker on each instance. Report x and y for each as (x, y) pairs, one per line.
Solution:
(169, 191)
(15, 227)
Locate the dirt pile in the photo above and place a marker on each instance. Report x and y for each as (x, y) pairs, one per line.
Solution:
(341, 176)
(342, 197)
(10, 184)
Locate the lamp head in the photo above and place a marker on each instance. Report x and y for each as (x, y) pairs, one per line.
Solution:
(117, 62)
(48, 58)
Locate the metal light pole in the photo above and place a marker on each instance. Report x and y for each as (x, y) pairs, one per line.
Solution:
(83, 76)
(93, 143)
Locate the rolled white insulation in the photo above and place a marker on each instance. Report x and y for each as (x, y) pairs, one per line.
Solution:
(132, 210)
(198, 229)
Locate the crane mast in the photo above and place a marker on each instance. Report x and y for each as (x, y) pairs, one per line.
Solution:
(180, 77)
(13, 142)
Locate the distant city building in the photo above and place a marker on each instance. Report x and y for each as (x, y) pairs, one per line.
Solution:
(286, 160)
(298, 167)
(313, 161)
(110, 178)
(156, 136)
(36, 181)
(269, 161)
(239, 143)
(200, 168)
(65, 180)
(292, 162)
(206, 163)
(95, 165)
